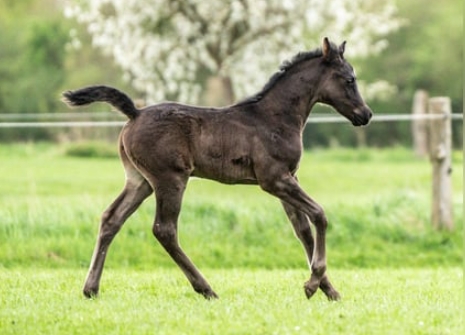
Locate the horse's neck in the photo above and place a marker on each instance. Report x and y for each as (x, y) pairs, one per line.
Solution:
(291, 98)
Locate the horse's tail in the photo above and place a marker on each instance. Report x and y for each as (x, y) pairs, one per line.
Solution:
(114, 97)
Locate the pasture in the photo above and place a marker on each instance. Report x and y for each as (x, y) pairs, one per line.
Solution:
(252, 301)
(395, 273)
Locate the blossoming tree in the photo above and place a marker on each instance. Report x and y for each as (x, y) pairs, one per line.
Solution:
(165, 47)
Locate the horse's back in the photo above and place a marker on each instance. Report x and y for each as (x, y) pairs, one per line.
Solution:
(213, 143)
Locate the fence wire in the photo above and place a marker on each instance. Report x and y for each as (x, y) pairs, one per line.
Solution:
(92, 124)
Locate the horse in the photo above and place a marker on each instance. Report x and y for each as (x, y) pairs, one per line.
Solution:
(254, 141)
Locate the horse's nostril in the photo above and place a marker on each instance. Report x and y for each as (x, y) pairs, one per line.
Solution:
(367, 112)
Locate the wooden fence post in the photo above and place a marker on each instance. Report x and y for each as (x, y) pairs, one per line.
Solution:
(440, 155)
(420, 126)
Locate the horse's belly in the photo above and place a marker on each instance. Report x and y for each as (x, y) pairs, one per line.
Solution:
(227, 170)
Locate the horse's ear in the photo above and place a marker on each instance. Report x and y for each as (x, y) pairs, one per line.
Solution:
(326, 49)
(342, 48)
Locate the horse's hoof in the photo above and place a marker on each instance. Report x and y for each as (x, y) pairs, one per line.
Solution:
(310, 290)
(90, 293)
(207, 292)
(329, 290)
(210, 295)
(333, 295)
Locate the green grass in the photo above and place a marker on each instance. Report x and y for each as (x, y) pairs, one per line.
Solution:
(397, 302)
(396, 274)
(377, 203)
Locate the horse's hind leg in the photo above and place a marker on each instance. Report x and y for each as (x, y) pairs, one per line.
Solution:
(135, 191)
(169, 191)
(303, 232)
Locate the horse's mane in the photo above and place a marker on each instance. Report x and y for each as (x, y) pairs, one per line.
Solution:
(283, 69)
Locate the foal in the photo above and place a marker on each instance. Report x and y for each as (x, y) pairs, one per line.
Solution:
(255, 141)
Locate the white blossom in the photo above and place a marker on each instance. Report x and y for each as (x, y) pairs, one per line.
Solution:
(163, 44)
(380, 89)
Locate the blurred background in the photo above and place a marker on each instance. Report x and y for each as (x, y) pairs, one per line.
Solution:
(386, 209)
(180, 50)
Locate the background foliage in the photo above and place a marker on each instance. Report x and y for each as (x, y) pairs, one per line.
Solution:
(38, 61)
(193, 40)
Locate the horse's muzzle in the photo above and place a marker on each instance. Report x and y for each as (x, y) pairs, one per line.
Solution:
(362, 116)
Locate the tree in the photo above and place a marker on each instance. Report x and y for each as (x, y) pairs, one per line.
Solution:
(32, 62)
(166, 47)
(425, 53)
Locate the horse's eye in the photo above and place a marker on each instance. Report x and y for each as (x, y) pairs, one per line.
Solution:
(350, 80)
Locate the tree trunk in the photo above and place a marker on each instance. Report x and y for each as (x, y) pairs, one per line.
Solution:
(219, 91)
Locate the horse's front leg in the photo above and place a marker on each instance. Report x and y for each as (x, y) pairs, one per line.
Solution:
(303, 232)
(169, 190)
(286, 188)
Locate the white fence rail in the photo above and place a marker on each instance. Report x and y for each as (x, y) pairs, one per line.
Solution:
(90, 124)
(63, 116)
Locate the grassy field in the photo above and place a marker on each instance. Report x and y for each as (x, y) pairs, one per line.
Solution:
(377, 203)
(396, 274)
(398, 302)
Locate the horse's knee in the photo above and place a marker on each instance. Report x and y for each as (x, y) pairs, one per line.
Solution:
(164, 233)
(318, 218)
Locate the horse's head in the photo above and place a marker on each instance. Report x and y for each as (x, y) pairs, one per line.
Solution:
(339, 86)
